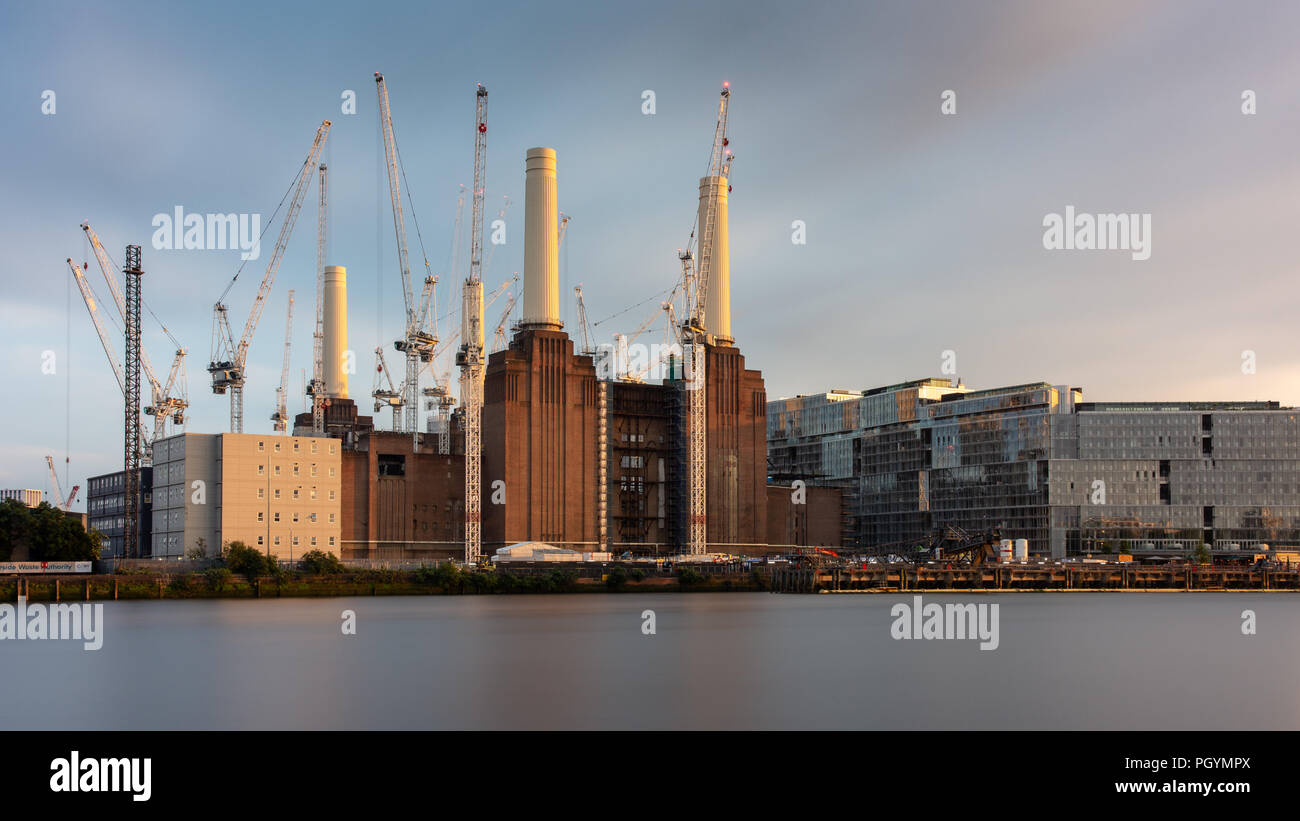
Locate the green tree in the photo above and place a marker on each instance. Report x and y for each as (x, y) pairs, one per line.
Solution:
(247, 562)
(687, 576)
(15, 527)
(616, 578)
(1202, 553)
(320, 562)
(48, 534)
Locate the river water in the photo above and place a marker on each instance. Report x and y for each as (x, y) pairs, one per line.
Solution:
(716, 661)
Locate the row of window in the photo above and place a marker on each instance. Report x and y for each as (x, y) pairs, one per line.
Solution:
(275, 517)
(297, 493)
(261, 446)
(261, 541)
(261, 470)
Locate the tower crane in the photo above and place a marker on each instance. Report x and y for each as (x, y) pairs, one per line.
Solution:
(388, 397)
(499, 341)
(316, 387)
(230, 357)
(280, 419)
(163, 405)
(694, 335)
(417, 342)
(470, 355)
(583, 326)
(92, 306)
(62, 504)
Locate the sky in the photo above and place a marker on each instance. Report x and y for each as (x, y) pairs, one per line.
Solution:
(923, 230)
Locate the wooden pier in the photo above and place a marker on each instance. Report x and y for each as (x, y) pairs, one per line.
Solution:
(895, 578)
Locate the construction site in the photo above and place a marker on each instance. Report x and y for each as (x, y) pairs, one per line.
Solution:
(547, 439)
(554, 446)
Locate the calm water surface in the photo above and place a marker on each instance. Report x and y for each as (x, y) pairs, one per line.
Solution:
(1131, 661)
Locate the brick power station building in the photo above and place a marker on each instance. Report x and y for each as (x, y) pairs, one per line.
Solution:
(574, 455)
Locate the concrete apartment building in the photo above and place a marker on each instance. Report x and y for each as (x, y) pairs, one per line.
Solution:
(279, 494)
(29, 497)
(1072, 477)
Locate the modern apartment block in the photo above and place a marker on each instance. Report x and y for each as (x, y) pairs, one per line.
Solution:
(1072, 477)
(106, 512)
(278, 494)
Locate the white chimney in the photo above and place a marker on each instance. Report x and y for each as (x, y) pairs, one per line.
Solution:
(541, 242)
(717, 299)
(336, 331)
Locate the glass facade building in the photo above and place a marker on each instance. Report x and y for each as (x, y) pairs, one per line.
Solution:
(1071, 477)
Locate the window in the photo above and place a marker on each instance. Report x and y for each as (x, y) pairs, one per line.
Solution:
(331, 495)
(313, 469)
(331, 522)
(260, 516)
(313, 541)
(331, 471)
(295, 446)
(295, 541)
(295, 517)
(331, 541)
(259, 541)
(261, 493)
(276, 516)
(277, 447)
(331, 447)
(277, 470)
(313, 493)
(313, 447)
(295, 468)
(312, 516)
(261, 446)
(295, 493)
(277, 541)
(261, 470)
(277, 493)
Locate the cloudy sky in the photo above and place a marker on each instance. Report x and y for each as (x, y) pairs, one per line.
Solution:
(924, 230)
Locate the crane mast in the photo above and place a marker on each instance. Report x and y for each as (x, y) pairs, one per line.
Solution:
(229, 358)
(317, 385)
(133, 447)
(470, 356)
(280, 419)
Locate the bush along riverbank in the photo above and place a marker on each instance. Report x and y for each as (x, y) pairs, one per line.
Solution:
(329, 577)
